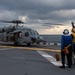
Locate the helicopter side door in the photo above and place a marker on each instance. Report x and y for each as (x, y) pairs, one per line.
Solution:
(3, 37)
(15, 36)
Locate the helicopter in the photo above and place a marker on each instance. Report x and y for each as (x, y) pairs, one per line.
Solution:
(19, 34)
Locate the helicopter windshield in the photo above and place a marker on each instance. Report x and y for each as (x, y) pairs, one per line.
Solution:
(36, 32)
(31, 32)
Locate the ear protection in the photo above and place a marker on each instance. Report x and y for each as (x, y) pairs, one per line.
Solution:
(66, 31)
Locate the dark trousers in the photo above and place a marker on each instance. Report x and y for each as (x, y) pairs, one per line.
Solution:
(74, 52)
(69, 57)
(74, 48)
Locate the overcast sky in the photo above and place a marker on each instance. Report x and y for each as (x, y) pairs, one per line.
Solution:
(37, 14)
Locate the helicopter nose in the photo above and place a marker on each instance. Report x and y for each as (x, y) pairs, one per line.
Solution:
(33, 39)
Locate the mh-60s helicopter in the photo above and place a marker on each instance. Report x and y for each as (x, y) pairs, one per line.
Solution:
(19, 34)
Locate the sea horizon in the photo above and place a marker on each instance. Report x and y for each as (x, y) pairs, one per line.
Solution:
(52, 38)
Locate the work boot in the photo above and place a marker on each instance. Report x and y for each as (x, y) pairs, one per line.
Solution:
(62, 67)
(74, 61)
(69, 66)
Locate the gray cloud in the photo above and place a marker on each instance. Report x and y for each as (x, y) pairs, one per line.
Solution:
(37, 11)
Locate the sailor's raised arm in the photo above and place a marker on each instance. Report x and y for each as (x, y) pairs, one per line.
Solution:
(73, 24)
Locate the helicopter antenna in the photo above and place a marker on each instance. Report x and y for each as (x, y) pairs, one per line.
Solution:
(17, 22)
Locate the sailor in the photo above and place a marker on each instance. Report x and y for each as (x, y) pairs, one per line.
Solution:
(73, 39)
(66, 40)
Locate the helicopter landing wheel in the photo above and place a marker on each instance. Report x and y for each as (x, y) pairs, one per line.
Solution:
(16, 43)
(28, 44)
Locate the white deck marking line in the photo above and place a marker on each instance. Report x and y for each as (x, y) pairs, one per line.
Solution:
(50, 58)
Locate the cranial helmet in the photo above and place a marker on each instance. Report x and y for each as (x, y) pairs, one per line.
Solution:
(66, 31)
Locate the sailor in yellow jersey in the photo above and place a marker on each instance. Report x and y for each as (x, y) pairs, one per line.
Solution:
(73, 37)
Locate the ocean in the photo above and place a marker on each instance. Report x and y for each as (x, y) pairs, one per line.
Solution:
(52, 38)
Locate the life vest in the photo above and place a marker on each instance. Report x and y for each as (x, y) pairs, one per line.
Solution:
(73, 37)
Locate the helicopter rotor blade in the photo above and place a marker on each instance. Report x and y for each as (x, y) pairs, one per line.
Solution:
(53, 23)
(14, 21)
(46, 23)
(17, 21)
(5, 21)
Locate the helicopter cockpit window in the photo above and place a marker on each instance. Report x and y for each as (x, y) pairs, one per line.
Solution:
(26, 34)
(37, 33)
(34, 33)
(31, 32)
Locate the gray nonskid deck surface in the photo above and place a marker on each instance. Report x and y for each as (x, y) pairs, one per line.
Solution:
(28, 62)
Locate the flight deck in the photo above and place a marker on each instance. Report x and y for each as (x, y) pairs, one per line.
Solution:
(33, 60)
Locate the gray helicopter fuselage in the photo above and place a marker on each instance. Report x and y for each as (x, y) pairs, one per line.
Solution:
(19, 35)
